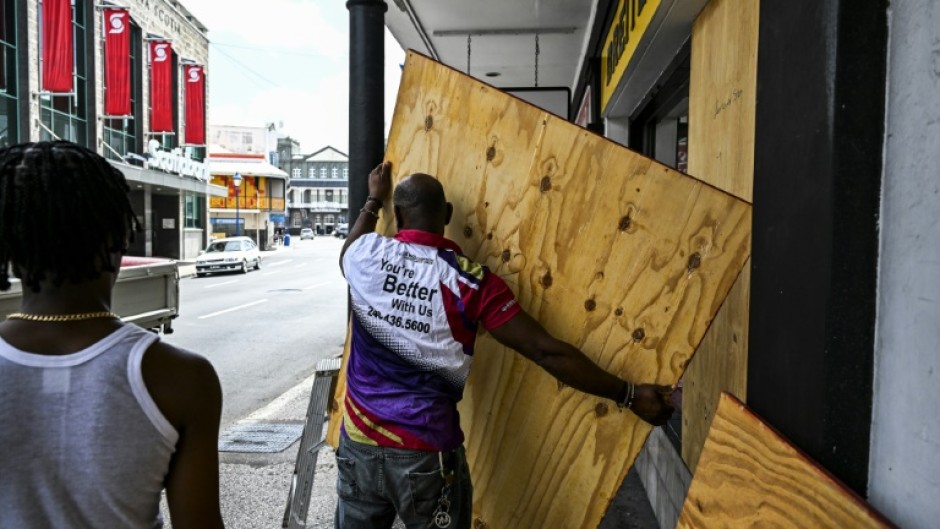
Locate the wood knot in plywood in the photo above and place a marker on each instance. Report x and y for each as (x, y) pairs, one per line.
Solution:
(486, 204)
(491, 153)
(619, 311)
(547, 279)
(601, 409)
(590, 305)
(479, 524)
(695, 260)
(428, 123)
(639, 334)
(625, 222)
(467, 231)
(489, 236)
(546, 184)
(506, 256)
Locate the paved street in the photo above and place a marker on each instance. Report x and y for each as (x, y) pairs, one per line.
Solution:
(264, 331)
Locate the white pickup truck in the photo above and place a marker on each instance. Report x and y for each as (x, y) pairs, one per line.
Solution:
(146, 293)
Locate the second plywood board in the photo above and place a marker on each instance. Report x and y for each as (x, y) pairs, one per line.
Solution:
(625, 258)
(750, 476)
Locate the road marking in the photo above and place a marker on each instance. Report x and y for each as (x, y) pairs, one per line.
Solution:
(279, 263)
(220, 284)
(317, 285)
(271, 273)
(233, 309)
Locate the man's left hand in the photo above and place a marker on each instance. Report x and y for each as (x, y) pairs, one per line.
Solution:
(380, 181)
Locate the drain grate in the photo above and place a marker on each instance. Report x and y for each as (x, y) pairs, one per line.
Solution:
(260, 437)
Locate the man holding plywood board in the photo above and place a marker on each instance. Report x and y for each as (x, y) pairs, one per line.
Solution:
(417, 303)
(623, 257)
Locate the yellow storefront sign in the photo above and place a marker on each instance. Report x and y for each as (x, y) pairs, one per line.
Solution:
(630, 23)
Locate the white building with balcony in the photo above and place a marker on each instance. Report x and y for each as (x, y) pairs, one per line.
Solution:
(319, 190)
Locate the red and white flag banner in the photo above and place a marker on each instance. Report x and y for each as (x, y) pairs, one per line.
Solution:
(195, 76)
(3, 55)
(161, 86)
(117, 62)
(58, 64)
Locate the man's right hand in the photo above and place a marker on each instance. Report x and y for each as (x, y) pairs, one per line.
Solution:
(653, 403)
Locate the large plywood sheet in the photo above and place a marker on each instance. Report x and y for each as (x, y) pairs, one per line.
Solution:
(621, 256)
(750, 476)
(722, 102)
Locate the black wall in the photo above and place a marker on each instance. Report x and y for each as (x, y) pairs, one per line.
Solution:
(166, 241)
(818, 163)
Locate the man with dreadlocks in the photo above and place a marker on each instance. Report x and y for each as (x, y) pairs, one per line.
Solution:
(97, 417)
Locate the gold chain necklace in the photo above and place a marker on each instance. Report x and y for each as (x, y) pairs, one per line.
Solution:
(61, 317)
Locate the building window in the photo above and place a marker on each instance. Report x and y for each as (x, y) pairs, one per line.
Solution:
(335, 172)
(323, 172)
(66, 117)
(121, 134)
(193, 208)
(312, 172)
(296, 172)
(342, 197)
(9, 80)
(346, 173)
(196, 153)
(329, 196)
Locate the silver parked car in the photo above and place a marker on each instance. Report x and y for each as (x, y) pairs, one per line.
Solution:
(229, 254)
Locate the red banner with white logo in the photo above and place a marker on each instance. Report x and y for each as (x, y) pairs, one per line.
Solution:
(161, 86)
(117, 62)
(195, 76)
(58, 64)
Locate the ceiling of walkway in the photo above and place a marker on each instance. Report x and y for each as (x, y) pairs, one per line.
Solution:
(502, 37)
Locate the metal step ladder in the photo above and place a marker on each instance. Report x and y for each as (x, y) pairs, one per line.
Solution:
(298, 500)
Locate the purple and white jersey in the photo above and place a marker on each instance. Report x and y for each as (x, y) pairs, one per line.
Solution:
(417, 302)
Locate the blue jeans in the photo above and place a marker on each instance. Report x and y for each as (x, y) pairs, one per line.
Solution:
(374, 483)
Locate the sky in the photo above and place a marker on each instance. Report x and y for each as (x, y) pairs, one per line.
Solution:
(285, 64)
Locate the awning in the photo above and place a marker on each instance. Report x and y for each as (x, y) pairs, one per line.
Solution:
(245, 166)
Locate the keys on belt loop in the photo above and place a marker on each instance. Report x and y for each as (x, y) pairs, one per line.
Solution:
(441, 516)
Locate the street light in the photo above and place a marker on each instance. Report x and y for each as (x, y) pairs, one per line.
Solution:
(237, 180)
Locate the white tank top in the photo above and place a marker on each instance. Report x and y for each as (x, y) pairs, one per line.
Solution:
(82, 443)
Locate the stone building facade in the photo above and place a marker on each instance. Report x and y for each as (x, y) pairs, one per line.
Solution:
(169, 183)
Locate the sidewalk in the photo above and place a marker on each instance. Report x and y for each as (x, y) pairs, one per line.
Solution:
(253, 488)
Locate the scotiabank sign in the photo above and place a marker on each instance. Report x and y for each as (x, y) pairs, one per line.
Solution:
(174, 162)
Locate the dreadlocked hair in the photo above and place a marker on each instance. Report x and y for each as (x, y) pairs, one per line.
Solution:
(64, 211)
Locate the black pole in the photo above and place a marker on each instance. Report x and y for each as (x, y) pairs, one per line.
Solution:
(366, 97)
